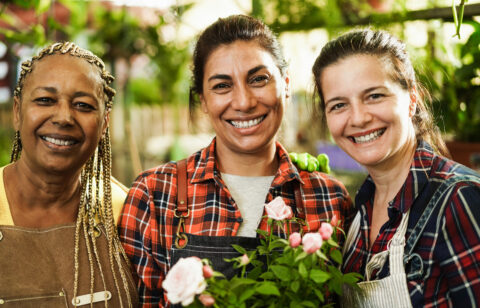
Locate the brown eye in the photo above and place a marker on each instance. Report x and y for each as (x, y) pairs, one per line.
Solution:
(44, 100)
(221, 88)
(84, 106)
(259, 80)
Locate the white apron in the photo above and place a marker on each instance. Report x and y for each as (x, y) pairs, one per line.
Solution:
(391, 291)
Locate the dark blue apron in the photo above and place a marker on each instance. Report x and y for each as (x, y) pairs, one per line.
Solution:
(214, 248)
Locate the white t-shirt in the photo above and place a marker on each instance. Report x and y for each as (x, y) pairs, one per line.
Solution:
(249, 193)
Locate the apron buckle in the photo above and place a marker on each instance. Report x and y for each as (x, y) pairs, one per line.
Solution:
(181, 238)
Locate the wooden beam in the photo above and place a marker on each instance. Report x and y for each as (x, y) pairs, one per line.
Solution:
(444, 13)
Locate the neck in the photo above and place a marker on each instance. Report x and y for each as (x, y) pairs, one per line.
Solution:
(41, 189)
(390, 176)
(263, 162)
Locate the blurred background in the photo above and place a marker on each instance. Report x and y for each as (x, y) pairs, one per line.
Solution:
(147, 45)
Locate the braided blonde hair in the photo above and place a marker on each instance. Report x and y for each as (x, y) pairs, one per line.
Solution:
(92, 211)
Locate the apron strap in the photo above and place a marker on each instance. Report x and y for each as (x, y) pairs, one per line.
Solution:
(181, 210)
(415, 261)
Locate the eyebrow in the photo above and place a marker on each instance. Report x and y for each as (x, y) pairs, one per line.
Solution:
(227, 77)
(75, 95)
(337, 98)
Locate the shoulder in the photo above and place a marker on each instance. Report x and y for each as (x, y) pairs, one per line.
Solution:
(456, 187)
(119, 193)
(322, 180)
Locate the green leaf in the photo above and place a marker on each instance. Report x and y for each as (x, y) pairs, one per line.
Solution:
(239, 249)
(295, 286)
(301, 256)
(352, 278)
(267, 276)
(332, 243)
(336, 256)
(319, 276)
(321, 255)
(282, 272)
(302, 270)
(246, 294)
(255, 273)
(319, 294)
(309, 304)
(267, 288)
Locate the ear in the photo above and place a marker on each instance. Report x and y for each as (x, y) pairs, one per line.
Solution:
(203, 103)
(287, 84)
(16, 113)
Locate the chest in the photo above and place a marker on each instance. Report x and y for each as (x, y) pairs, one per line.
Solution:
(38, 269)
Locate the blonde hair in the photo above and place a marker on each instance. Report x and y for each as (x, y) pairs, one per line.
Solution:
(95, 178)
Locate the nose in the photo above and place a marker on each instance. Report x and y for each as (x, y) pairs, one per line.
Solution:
(243, 98)
(62, 115)
(360, 115)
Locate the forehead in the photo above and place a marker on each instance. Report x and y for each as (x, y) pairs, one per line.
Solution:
(239, 55)
(355, 69)
(61, 68)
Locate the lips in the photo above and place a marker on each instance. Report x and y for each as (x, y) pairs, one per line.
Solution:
(247, 123)
(367, 136)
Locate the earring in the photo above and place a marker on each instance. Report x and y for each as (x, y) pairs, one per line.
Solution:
(412, 108)
(16, 148)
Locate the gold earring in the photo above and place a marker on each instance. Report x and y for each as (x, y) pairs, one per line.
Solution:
(16, 147)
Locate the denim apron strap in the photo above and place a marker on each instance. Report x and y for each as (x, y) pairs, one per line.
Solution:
(413, 260)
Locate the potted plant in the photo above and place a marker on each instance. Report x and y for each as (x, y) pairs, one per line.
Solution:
(457, 104)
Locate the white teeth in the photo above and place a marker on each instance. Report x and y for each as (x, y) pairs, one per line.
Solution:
(370, 137)
(59, 141)
(247, 124)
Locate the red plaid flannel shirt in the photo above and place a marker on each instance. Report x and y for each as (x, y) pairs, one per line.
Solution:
(147, 225)
(450, 243)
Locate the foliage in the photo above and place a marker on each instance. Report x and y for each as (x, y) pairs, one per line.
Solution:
(458, 16)
(282, 273)
(6, 138)
(456, 87)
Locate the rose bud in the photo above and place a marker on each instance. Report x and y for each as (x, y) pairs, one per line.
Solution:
(295, 239)
(325, 231)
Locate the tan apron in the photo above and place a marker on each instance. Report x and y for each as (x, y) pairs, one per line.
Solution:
(37, 270)
(391, 291)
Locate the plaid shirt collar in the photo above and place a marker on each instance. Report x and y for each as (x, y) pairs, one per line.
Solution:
(416, 180)
(206, 168)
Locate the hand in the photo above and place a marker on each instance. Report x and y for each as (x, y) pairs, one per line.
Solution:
(310, 163)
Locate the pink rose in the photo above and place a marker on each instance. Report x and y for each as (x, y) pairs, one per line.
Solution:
(207, 271)
(278, 210)
(334, 221)
(312, 242)
(325, 230)
(184, 280)
(244, 260)
(295, 239)
(206, 300)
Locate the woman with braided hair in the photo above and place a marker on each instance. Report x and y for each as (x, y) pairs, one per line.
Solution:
(58, 202)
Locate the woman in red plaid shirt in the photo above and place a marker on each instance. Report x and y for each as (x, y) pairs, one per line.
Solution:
(416, 237)
(240, 82)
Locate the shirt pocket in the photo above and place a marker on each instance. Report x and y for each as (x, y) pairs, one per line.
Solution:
(45, 300)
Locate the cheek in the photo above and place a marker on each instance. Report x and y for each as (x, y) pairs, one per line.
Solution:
(334, 124)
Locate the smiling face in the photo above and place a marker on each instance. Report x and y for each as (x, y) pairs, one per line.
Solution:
(244, 95)
(368, 114)
(61, 115)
